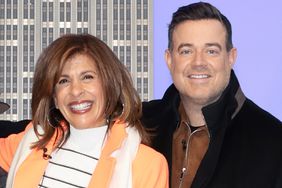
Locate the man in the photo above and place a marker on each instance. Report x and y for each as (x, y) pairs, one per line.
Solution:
(7, 128)
(211, 134)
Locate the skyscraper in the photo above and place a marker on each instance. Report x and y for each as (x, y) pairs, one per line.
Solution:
(28, 26)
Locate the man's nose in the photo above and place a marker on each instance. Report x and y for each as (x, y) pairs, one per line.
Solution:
(199, 59)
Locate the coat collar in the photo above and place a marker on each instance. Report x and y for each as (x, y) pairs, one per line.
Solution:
(229, 103)
(103, 171)
(105, 167)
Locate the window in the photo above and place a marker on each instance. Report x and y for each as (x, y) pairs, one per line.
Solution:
(25, 107)
(79, 10)
(25, 85)
(128, 58)
(68, 11)
(51, 11)
(2, 9)
(50, 35)
(121, 54)
(31, 3)
(2, 32)
(145, 9)
(25, 13)
(44, 37)
(30, 83)
(44, 11)
(62, 12)
(139, 85)
(15, 9)
(139, 59)
(145, 85)
(139, 32)
(85, 10)
(15, 32)
(8, 9)
(138, 9)
(8, 32)
(145, 32)
(85, 30)
(14, 106)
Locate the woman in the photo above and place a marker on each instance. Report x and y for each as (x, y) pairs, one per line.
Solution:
(86, 129)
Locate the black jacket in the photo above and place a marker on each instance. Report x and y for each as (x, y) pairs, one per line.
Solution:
(12, 127)
(245, 149)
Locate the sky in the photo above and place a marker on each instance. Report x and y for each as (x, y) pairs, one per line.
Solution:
(257, 35)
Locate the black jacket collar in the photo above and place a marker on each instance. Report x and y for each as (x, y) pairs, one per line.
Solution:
(228, 104)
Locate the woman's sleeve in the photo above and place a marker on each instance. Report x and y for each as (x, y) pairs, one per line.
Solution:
(8, 147)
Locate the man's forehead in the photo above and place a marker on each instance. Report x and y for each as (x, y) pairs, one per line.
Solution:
(200, 32)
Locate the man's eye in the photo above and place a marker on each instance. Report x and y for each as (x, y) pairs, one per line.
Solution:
(212, 52)
(185, 52)
(63, 81)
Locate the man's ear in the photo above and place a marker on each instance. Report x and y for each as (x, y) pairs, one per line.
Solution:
(232, 57)
(168, 59)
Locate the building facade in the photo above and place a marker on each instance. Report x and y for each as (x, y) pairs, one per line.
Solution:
(28, 26)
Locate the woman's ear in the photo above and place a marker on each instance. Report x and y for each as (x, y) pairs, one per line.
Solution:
(55, 102)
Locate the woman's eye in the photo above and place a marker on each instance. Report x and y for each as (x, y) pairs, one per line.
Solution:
(63, 81)
(88, 76)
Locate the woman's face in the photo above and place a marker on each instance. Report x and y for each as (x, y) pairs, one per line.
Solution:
(79, 93)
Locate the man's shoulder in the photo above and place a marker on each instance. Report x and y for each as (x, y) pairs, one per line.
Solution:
(259, 123)
(12, 127)
(152, 105)
(258, 115)
(170, 101)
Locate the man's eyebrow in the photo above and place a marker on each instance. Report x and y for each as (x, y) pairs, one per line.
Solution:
(214, 44)
(207, 45)
(184, 45)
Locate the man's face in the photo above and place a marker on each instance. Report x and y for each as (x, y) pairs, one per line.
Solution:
(199, 62)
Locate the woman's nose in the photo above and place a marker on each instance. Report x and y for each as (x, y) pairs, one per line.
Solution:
(76, 88)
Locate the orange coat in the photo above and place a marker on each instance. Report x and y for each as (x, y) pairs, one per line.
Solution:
(149, 168)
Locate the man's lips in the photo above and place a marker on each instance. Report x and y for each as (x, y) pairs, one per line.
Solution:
(199, 76)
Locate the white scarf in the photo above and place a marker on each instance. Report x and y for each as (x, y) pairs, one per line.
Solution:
(122, 176)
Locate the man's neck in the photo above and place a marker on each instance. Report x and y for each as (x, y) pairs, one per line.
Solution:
(194, 113)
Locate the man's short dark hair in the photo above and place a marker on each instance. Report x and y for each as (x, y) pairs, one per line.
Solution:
(199, 11)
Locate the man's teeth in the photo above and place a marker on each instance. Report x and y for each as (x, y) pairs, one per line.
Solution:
(81, 106)
(198, 76)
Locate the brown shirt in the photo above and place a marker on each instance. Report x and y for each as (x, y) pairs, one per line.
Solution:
(188, 150)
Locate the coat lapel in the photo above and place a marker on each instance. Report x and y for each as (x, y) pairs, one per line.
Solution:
(104, 170)
(36, 165)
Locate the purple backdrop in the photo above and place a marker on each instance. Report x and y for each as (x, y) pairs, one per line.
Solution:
(257, 34)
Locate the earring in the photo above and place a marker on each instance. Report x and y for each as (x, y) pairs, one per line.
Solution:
(54, 117)
(122, 109)
(108, 120)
